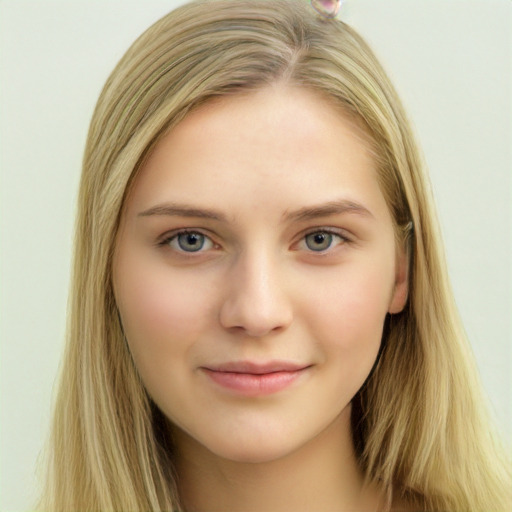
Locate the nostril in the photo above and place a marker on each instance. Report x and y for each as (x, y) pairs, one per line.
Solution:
(255, 331)
(255, 303)
(237, 317)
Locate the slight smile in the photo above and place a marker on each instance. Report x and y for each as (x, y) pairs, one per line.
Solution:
(254, 379)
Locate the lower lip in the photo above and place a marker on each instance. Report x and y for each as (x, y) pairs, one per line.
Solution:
(250, 384)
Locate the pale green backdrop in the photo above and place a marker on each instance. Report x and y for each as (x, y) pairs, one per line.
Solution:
(451, 60)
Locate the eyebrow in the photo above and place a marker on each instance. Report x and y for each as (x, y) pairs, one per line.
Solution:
(179, 210)
(338, 207)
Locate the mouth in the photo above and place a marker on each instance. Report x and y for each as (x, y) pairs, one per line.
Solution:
(255, 379)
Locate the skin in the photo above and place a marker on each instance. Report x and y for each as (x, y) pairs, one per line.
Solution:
(260, 290)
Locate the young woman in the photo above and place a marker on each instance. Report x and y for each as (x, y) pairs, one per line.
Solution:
(261, 318)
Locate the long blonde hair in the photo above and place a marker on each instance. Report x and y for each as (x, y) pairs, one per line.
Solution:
(419, 423)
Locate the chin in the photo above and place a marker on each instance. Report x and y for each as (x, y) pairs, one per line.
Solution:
(254, 454)
(252, 447)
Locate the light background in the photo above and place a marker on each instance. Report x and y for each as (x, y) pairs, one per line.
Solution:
(451, 62)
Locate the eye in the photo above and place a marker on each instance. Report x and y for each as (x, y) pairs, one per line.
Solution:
(320, 241)
(189, 241)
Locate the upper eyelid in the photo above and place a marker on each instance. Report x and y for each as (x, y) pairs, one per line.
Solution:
(166, 239)
(343, 233)
(344, 238)
(169, 235)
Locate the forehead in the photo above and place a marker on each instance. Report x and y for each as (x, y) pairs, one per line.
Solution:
(277, 146)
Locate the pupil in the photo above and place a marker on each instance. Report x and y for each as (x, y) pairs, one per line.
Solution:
(318, 241)
(191, 242)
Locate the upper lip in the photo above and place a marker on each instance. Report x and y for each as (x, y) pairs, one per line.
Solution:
(254, 368)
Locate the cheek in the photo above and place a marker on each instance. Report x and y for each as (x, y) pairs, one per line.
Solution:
(162, 312)
(355, 299)
(346, 317)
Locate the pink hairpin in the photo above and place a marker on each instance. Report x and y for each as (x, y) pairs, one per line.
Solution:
(327, 8)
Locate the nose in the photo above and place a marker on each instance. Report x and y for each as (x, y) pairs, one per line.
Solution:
(256, 302)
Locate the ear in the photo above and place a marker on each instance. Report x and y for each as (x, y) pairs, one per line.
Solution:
(401, 288)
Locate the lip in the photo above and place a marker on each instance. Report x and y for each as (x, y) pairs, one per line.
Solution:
(255, 379)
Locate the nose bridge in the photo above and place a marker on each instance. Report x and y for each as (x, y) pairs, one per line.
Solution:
(257, 301)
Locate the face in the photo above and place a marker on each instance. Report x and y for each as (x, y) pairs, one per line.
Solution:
(254, 267)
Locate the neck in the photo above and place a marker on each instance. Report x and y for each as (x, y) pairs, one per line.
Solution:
(321, 475)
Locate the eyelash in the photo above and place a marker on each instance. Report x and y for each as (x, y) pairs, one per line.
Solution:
(174, 236)
(343, 239)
